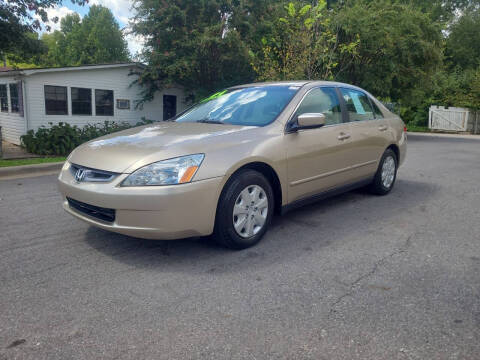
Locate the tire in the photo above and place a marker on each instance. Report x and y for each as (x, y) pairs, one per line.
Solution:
(233, 224)
(382, 185)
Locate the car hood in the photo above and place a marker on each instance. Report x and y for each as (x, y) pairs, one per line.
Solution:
(125, 151)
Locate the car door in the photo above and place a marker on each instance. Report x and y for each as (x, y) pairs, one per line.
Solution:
(318, 159)
(368, 129)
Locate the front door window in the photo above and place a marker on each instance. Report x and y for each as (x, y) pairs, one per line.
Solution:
(322, 100)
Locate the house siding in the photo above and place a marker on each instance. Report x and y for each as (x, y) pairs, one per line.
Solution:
(13, 124)
(116, 79)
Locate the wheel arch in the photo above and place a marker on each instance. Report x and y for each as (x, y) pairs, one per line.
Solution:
(396, 150)
(266, 170)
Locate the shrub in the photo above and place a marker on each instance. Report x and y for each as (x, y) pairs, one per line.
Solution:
(62, 138)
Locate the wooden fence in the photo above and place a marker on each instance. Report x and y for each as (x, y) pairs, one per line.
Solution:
(453, 119)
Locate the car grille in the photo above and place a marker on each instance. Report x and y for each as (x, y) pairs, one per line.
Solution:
(96, 212)
(91, 175)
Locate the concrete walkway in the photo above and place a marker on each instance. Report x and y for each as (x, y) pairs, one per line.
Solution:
(12, 151)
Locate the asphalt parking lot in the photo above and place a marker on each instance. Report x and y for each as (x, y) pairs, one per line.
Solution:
(353, 277)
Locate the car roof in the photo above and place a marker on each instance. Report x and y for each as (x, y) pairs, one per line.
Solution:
(271, 83)
(300, 83)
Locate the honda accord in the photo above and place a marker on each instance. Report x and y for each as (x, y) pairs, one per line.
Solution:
(226, 165)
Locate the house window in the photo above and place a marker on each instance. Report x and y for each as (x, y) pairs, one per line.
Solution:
(81, 101)
(3, 98)
(123, 104)
(56, 100)
(169, 106)
(104, 102)
(14, 103)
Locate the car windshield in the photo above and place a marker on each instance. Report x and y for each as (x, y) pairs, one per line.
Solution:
(251, 106)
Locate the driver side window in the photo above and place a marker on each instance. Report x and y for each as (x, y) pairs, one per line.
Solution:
(322, 100)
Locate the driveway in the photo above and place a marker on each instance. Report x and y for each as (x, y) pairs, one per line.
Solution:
(353, 277)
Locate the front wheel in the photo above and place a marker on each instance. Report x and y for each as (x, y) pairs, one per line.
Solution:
(386, 174)
(245, 210)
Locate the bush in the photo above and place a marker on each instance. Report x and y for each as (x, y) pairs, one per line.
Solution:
(459, 88)
(62, 138)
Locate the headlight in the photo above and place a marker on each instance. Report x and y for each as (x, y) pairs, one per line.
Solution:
(174, 171)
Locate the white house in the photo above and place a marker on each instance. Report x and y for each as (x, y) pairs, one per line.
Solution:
(77, 95)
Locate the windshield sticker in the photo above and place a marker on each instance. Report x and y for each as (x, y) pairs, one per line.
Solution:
(356, 102)
(214, 96)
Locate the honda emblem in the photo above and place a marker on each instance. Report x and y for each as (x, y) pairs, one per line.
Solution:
(80, 175)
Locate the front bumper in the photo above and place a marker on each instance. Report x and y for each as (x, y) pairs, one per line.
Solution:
(150, 212)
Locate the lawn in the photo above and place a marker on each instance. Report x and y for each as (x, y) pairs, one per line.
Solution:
(18, 162)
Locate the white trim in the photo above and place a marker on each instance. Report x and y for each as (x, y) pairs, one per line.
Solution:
(25, 112)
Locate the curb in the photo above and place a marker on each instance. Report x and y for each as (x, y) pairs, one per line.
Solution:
(30, 170)
(444, 135)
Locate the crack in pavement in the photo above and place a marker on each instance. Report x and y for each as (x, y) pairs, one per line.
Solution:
(374, 269)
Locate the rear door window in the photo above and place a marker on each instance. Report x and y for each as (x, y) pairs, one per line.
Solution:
(358, 105)
(322, 100)
(376, 110)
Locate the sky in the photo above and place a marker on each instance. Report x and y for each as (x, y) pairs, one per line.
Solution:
(121, 9)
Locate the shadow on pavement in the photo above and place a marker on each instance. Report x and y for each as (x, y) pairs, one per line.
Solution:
(308, 229)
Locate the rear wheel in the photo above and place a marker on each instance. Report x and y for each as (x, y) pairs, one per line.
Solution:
(386, 174)
(244, 211)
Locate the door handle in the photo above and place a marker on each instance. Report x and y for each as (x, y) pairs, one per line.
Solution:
(343, 136)
(382, 128)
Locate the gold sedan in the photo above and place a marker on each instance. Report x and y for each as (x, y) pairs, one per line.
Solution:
(227, 164)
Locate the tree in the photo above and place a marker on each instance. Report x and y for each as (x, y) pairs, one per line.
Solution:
(102, 38)
(255, 20)
(95, 39)
(463, 41)
(19, 19)
(439, 11)
(55, 49)
(192, 44)
(393, 48)
(443, 11)
(302, 45)
(399, 51)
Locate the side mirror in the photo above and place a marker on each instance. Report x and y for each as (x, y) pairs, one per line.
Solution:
(311, 120)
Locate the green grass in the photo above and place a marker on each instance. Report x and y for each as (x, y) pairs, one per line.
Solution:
(18, 162)
(414, 128)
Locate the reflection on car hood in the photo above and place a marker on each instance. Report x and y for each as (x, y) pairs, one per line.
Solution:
(119, 151)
